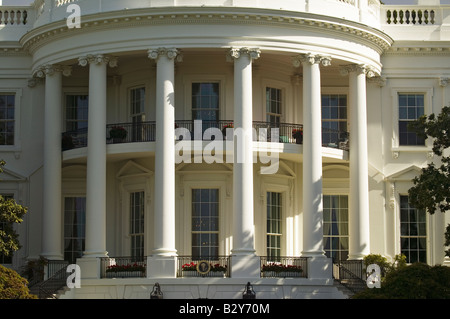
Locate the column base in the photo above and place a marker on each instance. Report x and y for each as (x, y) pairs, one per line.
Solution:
(89, 267)
(95, 254)
(50, 256)
(320, 267)
(245, 266)
(161, 267)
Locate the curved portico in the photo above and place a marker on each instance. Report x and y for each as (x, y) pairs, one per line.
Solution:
(294, 40)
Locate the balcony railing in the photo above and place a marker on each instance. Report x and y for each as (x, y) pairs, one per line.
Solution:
(189, 266)
(186, 129)
(284, 267)
(122, 267)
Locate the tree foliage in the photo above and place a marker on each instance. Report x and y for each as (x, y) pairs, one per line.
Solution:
(415, 281)
(13, 286)
(431, 190)
(10, 213)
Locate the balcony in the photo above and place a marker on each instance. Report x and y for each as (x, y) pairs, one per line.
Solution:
(215, 267)
(56, 10)
(207, 131)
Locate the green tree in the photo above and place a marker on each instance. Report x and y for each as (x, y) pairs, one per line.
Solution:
(10, 213)
(431, 190)
(13, 286)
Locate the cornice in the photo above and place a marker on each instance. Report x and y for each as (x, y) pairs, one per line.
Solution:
(374, 38)
(419, 51)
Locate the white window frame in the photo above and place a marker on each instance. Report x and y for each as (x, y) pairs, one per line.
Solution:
(428, 109)
(66, 93)
(74, 195)
(130, 102)
(426, 228)
(130, 234)
(286, 99)
(16, 147)
(191, 79)
(282, 233)
(185, 217)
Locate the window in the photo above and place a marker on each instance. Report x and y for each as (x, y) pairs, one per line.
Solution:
(3, 258)
(411, 107)
(137, 103)
(205, 223)
(205, 101)
(413, 232)
(335, 226)
(334, 118)
(137, 212)
(274, 232)
(7, 118)
(76, 112)
(74, 228)
(273, 106)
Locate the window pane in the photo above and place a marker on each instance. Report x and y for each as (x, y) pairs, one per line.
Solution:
(412, 232)
(7, 119)
(205, 222)
(411, 107)
(74, 227)
(137, 213)
(274, 224)
(335, 226)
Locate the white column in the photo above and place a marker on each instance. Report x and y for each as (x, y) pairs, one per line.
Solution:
(312, 157)
(162, 262)
(52, 203)
(359, 244)
(244, 261)
(96, 156)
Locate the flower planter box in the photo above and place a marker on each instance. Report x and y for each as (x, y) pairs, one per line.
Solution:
(124, 274)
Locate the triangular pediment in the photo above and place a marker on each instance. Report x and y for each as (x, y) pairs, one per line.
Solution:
(132, 168)
(406, 174)
(10, 176)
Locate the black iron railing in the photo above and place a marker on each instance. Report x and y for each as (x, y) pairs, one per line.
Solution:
(351, 274)
(130, 132)
(204, 130)
(284, 267)
(57, 279)
(189, 266)
(123, 267)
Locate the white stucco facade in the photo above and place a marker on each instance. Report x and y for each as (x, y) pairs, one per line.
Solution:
(338, 70)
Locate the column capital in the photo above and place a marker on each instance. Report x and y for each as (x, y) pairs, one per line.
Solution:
(236, 53)
(359, 69)
(98, 59)
(50, 69)
(170, 53)
(311, 59)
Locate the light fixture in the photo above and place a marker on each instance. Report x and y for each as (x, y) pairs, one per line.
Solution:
(249, 293)
(156, 293)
